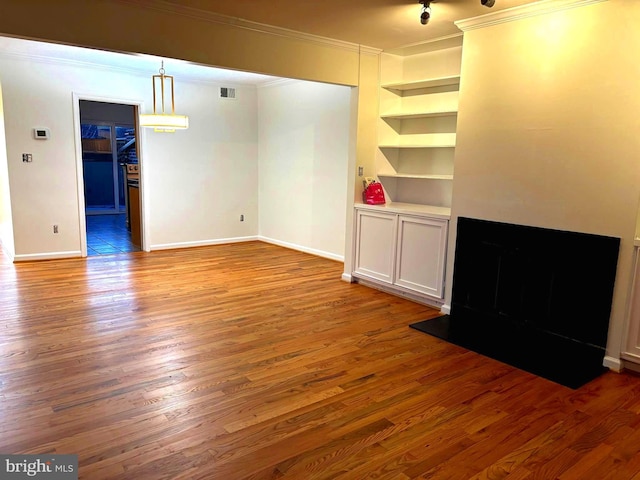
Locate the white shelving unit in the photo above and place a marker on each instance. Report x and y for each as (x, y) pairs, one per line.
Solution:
(402, 246)
(417, 126)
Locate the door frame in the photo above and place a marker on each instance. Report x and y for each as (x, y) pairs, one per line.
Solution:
(82, 222)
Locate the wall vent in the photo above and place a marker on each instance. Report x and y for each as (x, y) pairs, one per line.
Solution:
(228, 93)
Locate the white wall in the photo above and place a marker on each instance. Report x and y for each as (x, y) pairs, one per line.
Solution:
(196, 182)
(205, 177)
(548, 128)
(304, 130)
(6, 225)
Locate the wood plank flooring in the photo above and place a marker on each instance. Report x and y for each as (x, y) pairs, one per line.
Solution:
(251, 361)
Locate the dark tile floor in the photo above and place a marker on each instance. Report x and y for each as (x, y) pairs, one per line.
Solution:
(108, 235)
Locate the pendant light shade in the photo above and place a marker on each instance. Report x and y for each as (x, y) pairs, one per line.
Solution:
(160, 120)
(164, 122)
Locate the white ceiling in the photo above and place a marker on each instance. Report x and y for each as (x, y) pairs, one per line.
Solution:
(135, 63)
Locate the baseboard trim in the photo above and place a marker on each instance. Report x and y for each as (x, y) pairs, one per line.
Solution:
(613, 363)
(47, 256)
(446, 309)
(433, 303)
(202, 243)
(346, 277)
(631, 365)
(300, 248)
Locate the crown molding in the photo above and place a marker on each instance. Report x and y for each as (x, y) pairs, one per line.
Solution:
(163, 6)
(542, 7)
(370, 50)
(48, 60)
(279, 83)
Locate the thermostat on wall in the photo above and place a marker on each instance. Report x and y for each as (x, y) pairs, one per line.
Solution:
(41, 133)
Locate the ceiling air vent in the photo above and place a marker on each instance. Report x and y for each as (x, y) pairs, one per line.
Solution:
(228, 93)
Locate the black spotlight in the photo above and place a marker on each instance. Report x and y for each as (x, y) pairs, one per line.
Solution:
(425, 15)
(488, 3)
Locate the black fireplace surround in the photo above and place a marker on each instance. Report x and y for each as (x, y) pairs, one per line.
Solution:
(536, 298)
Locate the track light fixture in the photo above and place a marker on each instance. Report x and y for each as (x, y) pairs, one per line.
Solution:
(488, 3)
(425, 15)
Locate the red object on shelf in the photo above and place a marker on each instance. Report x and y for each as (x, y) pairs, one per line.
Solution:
(374, 194)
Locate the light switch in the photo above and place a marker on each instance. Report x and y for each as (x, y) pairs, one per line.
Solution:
(27, 157)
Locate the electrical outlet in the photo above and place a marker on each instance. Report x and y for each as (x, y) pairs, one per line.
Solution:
(242, 218)
(55, 229)
(360, 171)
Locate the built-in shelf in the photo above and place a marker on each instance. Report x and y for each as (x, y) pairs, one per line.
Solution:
(418, 176)
(420, 145)
(407, 116)
(409, 208)
(418, 114)
(428, 83)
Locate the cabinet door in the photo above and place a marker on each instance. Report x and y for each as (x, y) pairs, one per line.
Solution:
(420, 260)
(375, 245)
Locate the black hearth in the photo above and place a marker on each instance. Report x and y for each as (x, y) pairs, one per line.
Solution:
(536, 298)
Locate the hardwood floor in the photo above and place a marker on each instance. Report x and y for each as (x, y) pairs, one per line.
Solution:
(251, 361)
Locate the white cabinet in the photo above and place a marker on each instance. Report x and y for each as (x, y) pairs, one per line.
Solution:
(420, 254)
(375, 244)
(405, 252)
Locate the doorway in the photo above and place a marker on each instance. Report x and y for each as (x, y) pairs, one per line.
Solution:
(110, 177)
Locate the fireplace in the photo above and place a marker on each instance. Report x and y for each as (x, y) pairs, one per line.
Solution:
(536, 298)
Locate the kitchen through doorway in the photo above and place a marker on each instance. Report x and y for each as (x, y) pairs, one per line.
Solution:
(111, 179)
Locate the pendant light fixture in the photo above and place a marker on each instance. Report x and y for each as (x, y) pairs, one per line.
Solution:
(160, 120)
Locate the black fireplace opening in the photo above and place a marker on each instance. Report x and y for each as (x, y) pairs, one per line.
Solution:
(536, 298)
